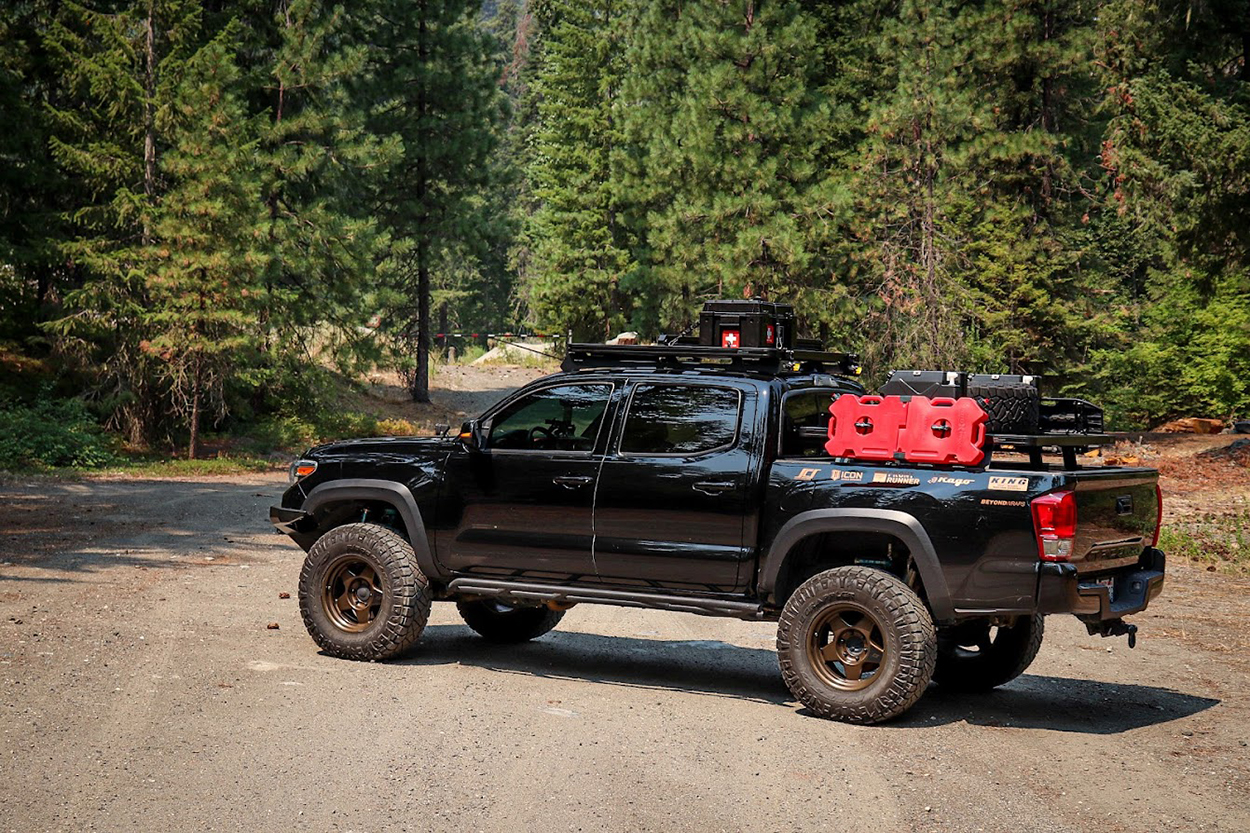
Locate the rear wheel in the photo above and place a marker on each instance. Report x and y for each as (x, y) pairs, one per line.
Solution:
(856, 644)
(498, 622)
(976, 656)
(361, 593)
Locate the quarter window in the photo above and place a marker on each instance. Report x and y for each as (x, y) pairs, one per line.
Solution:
(565, 418)
(678, 419)
(805, 423)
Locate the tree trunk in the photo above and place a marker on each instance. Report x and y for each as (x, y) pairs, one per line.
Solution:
(442, 325)
(149, 117)
(193, 445)
(420, 388)
(421, 377)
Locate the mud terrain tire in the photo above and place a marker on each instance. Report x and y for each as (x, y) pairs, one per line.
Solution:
(362, 595)
(1013, 409)
(848, 622)
(502, 623)
(994, 662)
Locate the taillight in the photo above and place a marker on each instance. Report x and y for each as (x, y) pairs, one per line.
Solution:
(1054, 520)
(1154, 542)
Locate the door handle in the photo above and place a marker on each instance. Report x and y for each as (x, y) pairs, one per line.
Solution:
(573, 481)
(712, 487)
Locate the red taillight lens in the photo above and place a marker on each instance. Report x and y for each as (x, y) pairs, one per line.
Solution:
(1159, 520)
(1054, 520)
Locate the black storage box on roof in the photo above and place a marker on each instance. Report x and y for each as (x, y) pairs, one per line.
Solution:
(746, 324)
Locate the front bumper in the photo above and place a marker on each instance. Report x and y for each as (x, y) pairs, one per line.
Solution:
(287, 520)
(1061, 589)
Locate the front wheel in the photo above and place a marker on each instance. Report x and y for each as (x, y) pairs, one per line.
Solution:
(361, 593)
(498, 622)
(977, 657)
(856, 644)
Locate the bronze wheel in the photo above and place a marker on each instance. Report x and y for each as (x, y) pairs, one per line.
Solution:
(856, 644)
(846, 647)
(353, 593)
(362, 594)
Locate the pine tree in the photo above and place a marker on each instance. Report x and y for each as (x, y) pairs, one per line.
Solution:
(432, 70)
(116, 67)
(578, 255)
(722, 106)
(323, 245)
(202, 265)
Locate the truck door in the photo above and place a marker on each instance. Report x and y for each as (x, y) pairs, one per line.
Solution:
(673, 491)
(521, 506)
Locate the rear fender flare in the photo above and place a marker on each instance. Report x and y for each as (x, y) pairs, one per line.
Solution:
(382, 491)
(900, 525)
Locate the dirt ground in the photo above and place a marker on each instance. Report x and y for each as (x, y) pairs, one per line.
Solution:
(142, 690)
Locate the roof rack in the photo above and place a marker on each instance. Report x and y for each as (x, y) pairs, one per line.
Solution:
(773, 360)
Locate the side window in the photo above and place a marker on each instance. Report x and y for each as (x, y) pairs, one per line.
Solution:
(677, 419)
(805, 423)
(565, 418)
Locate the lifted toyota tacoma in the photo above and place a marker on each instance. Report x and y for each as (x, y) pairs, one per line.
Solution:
(696, 479)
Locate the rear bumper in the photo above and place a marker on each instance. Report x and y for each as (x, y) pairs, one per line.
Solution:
(1061, 589)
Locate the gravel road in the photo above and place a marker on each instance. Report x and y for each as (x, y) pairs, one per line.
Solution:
(142, 690)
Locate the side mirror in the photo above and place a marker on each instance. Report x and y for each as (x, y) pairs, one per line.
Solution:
(471, 435)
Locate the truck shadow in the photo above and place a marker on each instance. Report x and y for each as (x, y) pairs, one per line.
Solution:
(720, 669)
(708, 667)
(1059, 704)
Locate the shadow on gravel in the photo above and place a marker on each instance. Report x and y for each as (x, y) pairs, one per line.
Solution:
(699, 667)
(1056, 703)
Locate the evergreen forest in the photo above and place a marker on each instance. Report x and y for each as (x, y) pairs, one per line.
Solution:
(207, 205)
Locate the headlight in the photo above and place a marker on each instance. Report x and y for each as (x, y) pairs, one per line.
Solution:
(302, 468)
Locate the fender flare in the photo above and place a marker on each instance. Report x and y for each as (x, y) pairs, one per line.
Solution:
(888, 521)
(383, 491)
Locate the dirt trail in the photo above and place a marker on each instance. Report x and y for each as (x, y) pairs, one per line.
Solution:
(142, 690)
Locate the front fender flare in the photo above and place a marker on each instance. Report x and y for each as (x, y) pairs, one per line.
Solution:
(887, 521)
(383, 491)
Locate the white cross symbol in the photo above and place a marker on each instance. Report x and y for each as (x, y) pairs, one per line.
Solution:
(731, 339)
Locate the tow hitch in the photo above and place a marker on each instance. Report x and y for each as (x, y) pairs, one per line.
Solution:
(1114, 627)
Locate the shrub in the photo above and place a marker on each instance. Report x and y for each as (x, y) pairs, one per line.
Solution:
(48, 433)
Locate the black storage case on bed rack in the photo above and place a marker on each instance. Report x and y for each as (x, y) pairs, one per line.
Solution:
(746, 324)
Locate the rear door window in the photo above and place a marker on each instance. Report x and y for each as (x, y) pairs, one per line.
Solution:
(681, 419)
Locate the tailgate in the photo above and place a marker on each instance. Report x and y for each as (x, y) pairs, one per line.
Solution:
(1117, 513)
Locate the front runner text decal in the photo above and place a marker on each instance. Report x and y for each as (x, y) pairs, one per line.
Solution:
(895, 478)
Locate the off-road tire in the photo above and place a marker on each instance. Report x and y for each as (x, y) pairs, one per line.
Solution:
(499, 623)
(910, 644)
(1007, 656)
(405, 598)
(1012, 409)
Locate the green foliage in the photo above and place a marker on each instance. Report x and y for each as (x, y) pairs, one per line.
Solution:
(198, 202)
(48, 432)
(1219, 542)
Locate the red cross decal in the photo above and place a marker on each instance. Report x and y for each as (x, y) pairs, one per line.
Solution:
(729, 338)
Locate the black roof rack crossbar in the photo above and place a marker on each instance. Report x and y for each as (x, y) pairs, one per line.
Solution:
(764, 359)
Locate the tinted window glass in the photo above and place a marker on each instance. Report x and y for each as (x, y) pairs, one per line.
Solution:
(805, 423)
(566, 418)
(671, 419)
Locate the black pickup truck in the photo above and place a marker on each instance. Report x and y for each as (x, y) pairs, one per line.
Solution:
(681, 483)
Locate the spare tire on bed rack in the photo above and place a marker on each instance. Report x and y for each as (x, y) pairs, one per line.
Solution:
(1012, 401)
